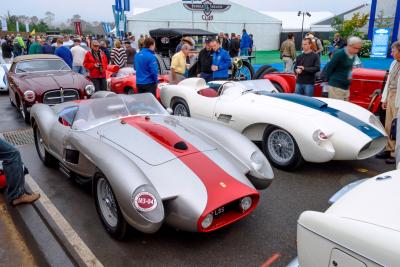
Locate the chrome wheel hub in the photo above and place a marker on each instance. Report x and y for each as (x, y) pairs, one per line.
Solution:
(281, 146)
(180, 110)
(107, 203)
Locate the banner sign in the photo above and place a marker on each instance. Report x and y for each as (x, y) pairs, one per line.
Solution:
(17, 26)
(122, 5)
(27, 26)
(380, 41)
(106, 27)
(78, 29)
(4, 25)
(207, 7)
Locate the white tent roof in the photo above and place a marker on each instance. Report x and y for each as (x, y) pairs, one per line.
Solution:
(292, 22)
(177, 12)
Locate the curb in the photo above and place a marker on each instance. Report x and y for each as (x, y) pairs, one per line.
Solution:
(50, 237)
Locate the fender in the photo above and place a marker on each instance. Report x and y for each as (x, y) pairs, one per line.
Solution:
(47, 119)
(125, 179)
(280, 80)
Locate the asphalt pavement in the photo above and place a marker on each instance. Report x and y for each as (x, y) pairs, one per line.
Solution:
(268, 235)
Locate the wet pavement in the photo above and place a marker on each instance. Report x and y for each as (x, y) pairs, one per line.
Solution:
(270, 231)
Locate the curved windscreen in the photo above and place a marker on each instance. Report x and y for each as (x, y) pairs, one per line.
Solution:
(101, 110)
(37, 65)
(250, 86)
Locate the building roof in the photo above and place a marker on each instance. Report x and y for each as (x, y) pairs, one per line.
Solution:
(292, 22)
(37, 56)
(177, 12)
(328, 21)
(179, 32)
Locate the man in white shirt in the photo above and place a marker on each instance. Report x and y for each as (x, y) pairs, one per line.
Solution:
(78, 55)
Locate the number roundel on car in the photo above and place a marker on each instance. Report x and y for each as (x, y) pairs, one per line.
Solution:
(145, 202)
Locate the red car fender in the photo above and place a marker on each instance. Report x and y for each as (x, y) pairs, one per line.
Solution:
(3, 182)
(279, 80)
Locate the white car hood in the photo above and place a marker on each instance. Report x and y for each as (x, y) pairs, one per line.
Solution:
(376, 201)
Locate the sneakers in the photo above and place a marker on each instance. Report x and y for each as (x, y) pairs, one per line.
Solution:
(26, 198)
(390, 160)
(383, 155)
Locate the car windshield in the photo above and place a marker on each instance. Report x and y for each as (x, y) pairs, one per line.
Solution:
(94, 112)
(38, 65)
(125, 72)
(251, 86)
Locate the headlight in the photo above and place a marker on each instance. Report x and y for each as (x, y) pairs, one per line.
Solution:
(245, 203)
(145, 202)
(207, 221)
(29, 96)
(258, 162)
(89, 89)
(376, 122)
(319, 136)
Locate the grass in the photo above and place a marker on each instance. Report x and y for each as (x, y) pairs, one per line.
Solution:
(272, 57)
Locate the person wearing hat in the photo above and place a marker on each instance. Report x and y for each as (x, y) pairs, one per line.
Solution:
(185, 40)
(205, 61)
(96, 63)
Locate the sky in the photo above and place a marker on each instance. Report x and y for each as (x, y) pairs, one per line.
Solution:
(100, 10)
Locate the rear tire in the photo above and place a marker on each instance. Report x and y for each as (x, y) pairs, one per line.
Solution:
(181, 109)
(47, 159)
(246, 72)
(108, 209)
(281, 149)
(129, 91)
(278, 87)
(264, 70)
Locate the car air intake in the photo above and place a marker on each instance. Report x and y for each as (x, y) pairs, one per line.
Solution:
(60, 96)
(181, 146)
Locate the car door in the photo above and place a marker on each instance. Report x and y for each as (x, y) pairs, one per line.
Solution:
(228, 109)
(203, 107)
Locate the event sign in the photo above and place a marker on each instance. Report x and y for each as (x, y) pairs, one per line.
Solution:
(380, 42)
(4, 24)
(207, 7)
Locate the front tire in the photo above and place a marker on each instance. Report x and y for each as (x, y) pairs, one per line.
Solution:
(47, 159)
(24, 113)
(281, 149)
(108, 209)
(181, 109)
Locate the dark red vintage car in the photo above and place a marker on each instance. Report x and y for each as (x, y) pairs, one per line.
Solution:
(365, 89)
(44, 79)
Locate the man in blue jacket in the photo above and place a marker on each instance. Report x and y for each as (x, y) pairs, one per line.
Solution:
(245, 44)
(64, 53)
(146, 67)
(221, 61)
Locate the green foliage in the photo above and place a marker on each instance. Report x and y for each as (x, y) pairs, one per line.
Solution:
(326, 43)
(350, 27)
(366, 48)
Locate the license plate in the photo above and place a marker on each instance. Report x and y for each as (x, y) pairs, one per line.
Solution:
(218, 212)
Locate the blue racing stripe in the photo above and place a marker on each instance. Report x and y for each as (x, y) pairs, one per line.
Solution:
(323, 107)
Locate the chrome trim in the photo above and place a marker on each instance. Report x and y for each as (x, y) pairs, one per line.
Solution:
(59, 96)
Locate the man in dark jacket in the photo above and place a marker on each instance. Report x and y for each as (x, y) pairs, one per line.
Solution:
(7, 49)
(146, 66)
(46, 48)
(104, 48)
(234, 46)
(205, 61)
(306, 66)
(245, 44)
(130, 54)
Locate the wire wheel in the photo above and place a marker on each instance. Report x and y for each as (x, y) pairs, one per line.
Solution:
(181, 110)
(107, 203)
(281, 146)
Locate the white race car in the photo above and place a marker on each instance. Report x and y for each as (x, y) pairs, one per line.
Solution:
(291, 128)
(4, 68)
(361, 228)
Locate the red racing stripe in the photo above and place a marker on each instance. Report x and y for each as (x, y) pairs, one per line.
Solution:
(221, 187)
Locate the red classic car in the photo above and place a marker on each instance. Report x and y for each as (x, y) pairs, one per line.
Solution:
(123, 81)
(365, 89)
(44, 79)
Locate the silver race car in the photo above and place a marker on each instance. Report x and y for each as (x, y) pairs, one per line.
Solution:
(148, 167)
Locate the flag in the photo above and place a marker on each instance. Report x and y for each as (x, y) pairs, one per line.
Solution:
(127, 5)
(118, 5)
(27, 26)
(17, 26)
(33, 32)
(4, 25)
(78, 29)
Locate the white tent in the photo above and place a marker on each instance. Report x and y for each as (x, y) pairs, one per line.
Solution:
(265, 29)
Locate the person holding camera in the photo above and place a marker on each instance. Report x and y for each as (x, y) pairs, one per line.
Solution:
(96, 64)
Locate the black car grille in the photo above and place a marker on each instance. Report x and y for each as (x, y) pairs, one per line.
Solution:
(56, 97)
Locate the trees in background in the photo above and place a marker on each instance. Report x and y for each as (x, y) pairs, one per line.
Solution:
(350, 27)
